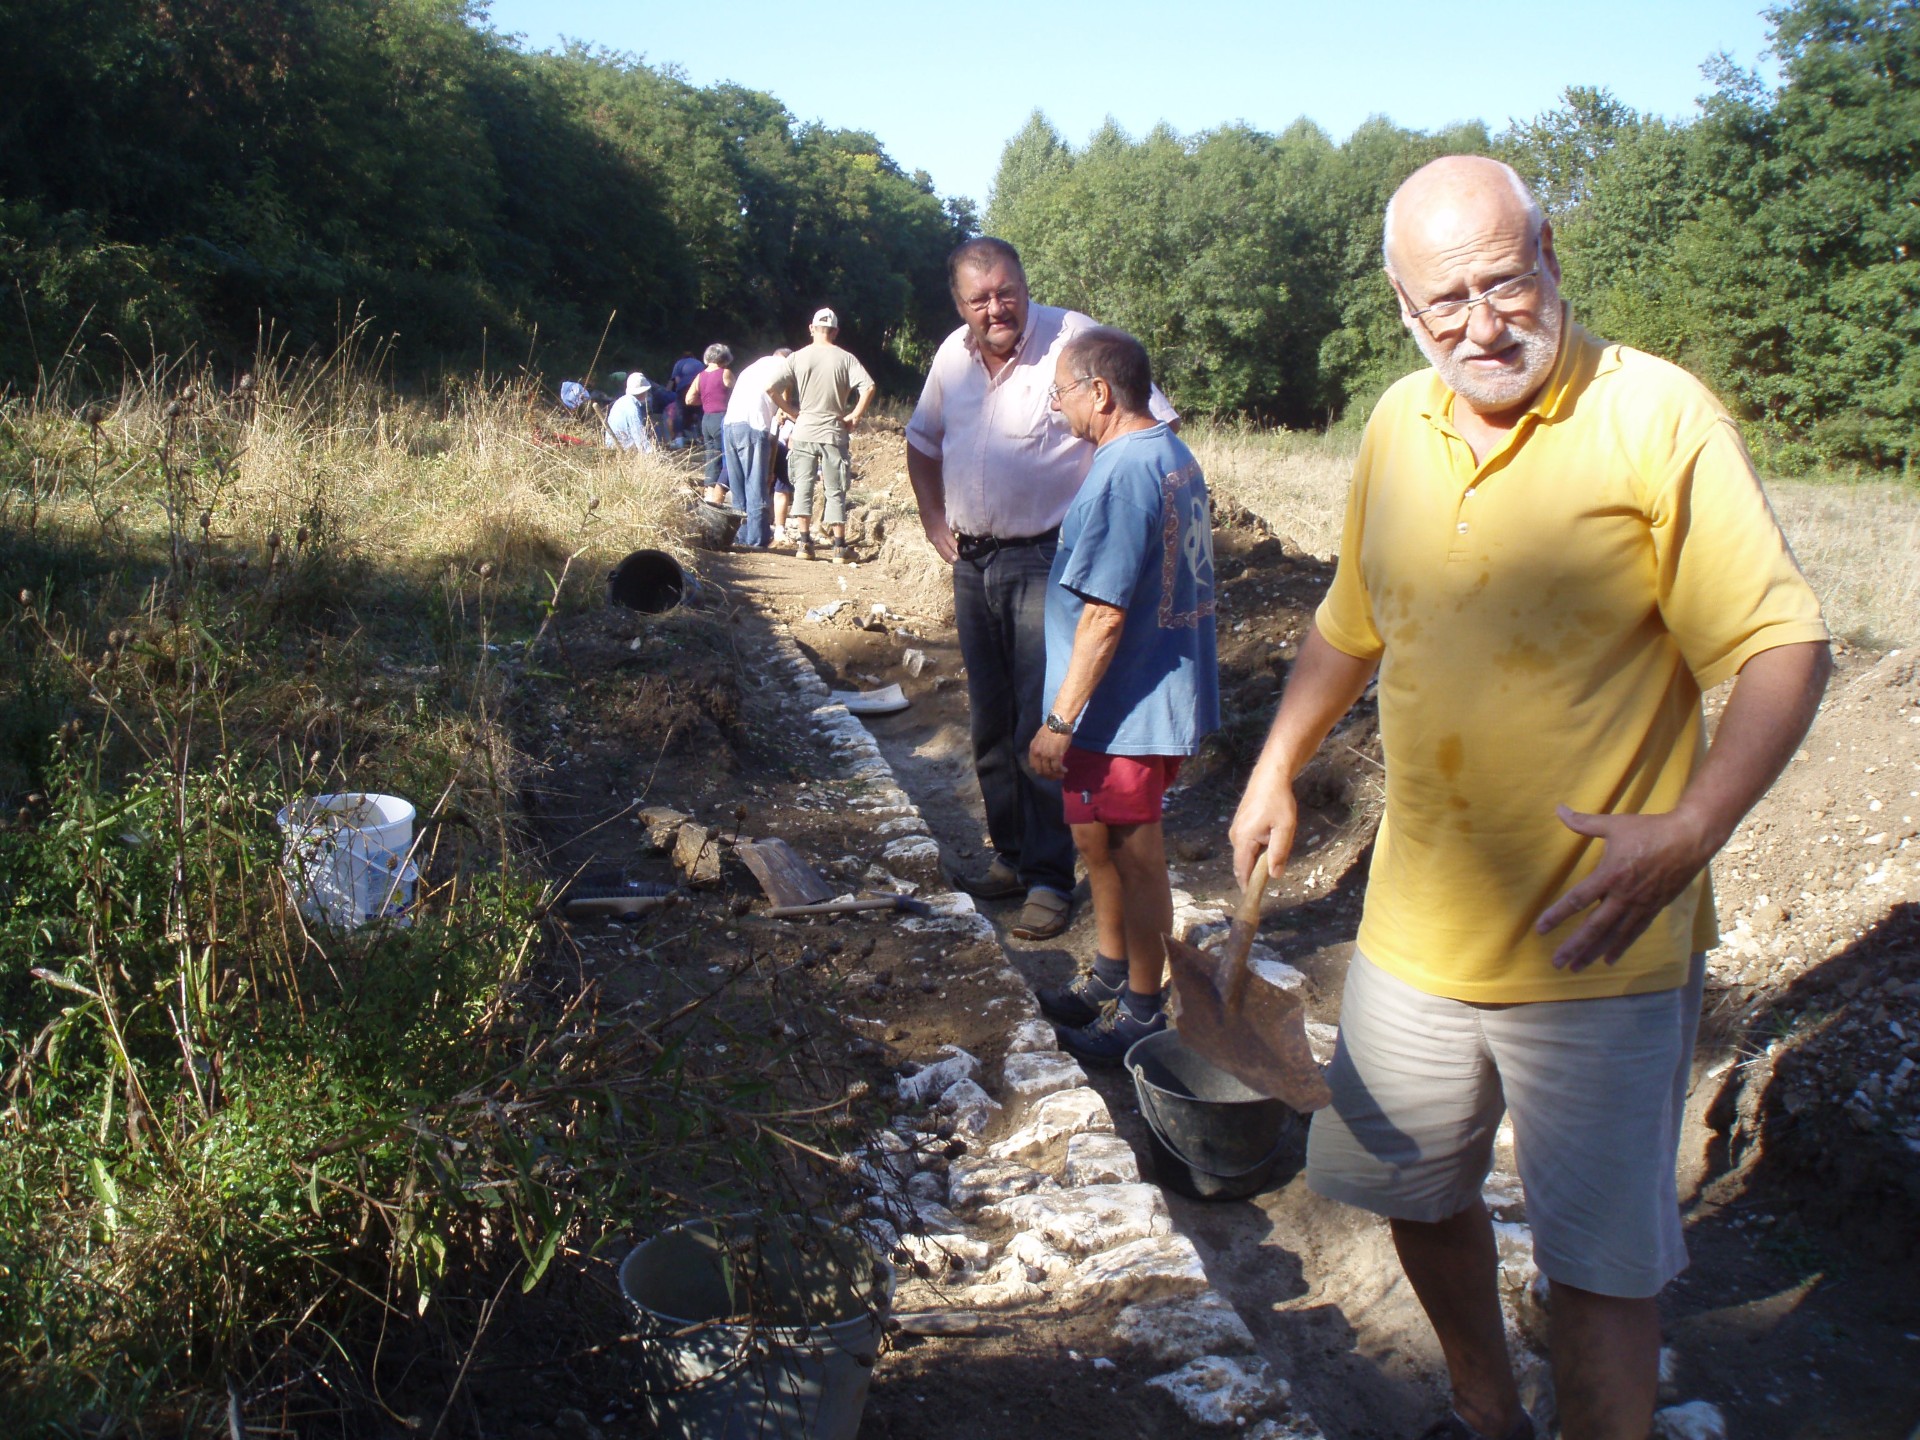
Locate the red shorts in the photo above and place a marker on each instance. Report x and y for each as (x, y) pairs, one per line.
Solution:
(1117, 789)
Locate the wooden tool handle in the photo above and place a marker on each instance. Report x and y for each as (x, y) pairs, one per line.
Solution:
(1256, 891)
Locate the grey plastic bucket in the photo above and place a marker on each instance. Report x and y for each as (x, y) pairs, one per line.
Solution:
(652, 582)
(1212, 1137)
(798, 1369)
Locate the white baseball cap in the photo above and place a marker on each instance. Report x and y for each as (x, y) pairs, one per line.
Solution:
(826, 318)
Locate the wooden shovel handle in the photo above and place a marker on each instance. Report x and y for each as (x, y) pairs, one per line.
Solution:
(1246, 921)
(1256, 891)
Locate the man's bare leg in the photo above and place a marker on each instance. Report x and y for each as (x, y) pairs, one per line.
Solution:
(1452, 1265)
(1606, 1363)
(1140, 859)
(1106, 888)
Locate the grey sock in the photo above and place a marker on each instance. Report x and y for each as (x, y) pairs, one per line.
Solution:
(1142, 1007)
(1110, 973)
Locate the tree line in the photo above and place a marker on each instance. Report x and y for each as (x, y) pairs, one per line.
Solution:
(1768, 245)
(185, 172)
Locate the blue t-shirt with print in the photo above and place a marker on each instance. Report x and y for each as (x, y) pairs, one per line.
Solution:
(1139, 535)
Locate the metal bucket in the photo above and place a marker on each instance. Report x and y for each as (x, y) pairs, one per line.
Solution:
(1212, 1137)
(652, 582)
(797, 1369)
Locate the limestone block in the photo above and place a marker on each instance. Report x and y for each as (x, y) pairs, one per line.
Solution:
(1514, 1243)
(930, 1082)
(1175, 1331)
(1052, 1122)
(905, 825)
(915, 856)
(1029, 1075)
(938, 1252)
(1031, 1035)
(1323, 1039)
(1041, 1261)
(696, 855)
(1696, 1420)
(1218, 1390)
(1294, 1427)
(1089, 1220)
(984, 1181)
(1275, 971)
(927, 1188)
(971, 1107)
(936, 1219)
(1003, 1293)
(662, 824)
(1100, 1160)
(1159, 1267)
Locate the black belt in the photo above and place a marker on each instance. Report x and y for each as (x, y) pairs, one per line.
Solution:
(982, 547)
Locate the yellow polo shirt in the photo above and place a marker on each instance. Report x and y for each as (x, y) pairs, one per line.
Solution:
(1545, 623)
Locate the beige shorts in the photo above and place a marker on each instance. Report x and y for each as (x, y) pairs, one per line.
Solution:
(1596, 1088)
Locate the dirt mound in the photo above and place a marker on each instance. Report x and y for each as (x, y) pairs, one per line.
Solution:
(1818, 977)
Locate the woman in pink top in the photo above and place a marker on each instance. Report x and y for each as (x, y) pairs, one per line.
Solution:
(709, 390)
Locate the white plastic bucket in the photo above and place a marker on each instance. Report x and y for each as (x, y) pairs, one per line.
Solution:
(345, 857)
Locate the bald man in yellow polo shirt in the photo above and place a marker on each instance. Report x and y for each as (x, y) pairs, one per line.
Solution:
(1552, 546)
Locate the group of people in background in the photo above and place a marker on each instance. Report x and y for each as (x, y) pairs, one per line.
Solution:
(769, 434)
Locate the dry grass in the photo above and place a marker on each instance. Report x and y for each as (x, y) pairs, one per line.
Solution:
(408, 485)
(1295, 480)
(1859, 543)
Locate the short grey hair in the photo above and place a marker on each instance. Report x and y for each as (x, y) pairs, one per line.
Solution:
(1536, 217)
(981, 251)
(718, 354)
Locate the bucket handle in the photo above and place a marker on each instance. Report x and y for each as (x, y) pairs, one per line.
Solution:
(1141, 1087)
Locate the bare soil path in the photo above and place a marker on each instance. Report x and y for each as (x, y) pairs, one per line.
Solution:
(1801, 1167)
(1799, 1316)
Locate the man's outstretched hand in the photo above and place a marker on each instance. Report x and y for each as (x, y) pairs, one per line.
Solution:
(1648, 861)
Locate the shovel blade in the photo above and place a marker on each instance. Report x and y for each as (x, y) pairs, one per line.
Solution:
(1259, 1036)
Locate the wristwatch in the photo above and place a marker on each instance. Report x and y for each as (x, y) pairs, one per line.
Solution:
(1057, 725)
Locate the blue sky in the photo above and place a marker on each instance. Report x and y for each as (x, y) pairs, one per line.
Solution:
(945, 86)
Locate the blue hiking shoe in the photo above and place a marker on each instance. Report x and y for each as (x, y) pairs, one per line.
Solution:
(1078, 1002)
(1110, 1035)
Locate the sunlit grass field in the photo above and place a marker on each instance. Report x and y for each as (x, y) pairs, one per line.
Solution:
(1857, 540)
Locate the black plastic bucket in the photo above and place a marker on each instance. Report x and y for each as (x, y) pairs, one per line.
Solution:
(652, 582)
(715, 526)
(1213, 1138)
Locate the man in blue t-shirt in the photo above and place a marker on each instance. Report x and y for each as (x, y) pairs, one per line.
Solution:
(1131, 671)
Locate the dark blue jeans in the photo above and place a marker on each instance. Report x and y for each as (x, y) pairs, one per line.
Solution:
(712, 430)
(1000, 607)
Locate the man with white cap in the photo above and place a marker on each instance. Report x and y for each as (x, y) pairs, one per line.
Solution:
(814, 386)
(627, 420)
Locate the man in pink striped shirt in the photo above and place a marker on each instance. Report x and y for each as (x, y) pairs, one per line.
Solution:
(994, 468)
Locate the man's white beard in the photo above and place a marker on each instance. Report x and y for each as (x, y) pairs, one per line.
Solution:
(1539, 346)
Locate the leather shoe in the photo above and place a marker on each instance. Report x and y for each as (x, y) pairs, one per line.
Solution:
(1044, 916)
(1001, 882)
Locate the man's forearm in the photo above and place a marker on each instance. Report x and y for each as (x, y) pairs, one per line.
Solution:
(1774, 700)
(1096, 640)
(860, 406)
(928, 477)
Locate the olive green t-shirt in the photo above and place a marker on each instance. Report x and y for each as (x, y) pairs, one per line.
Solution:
(824, 380)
